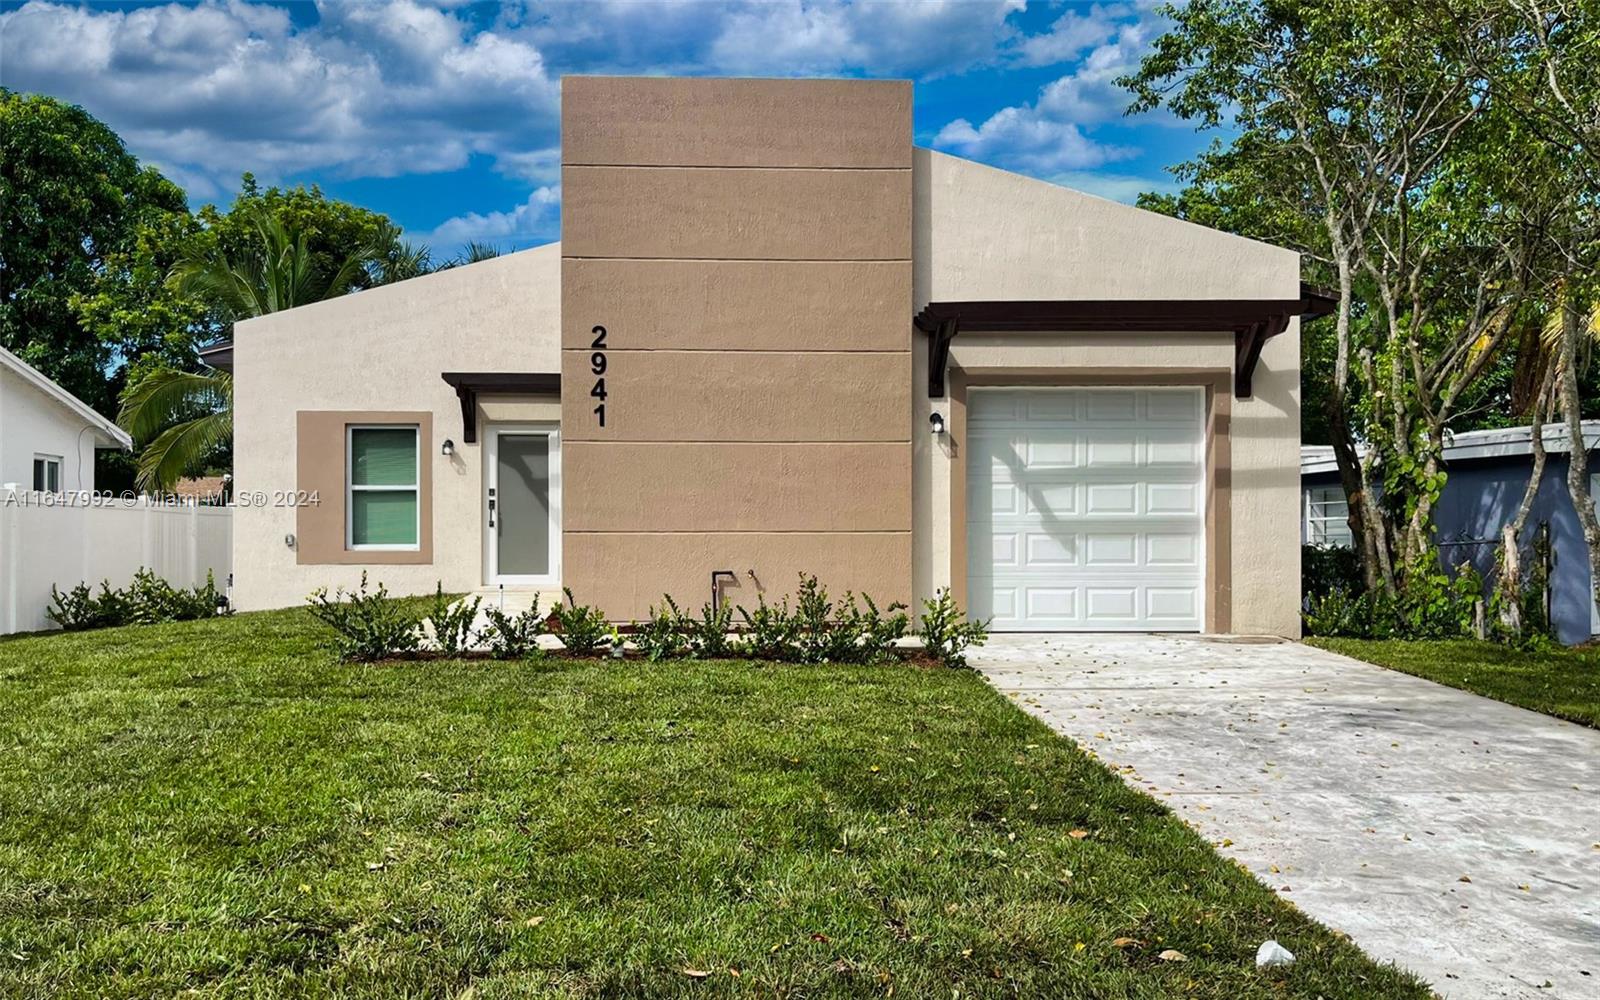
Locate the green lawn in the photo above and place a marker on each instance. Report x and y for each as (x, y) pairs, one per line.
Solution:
(1560, 682)
(220, 809)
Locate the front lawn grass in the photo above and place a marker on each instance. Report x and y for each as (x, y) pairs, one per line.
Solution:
(1561, 682)
(219, 808)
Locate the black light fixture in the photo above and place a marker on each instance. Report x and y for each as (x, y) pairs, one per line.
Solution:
(449, 448)
(936, 421)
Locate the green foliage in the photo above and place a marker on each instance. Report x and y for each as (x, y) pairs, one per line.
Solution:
(182, 419)
(514, 637)
(945, 630)
(74, 205)
(706, 637)
(1324, 569)
(451, 621)
(771, 631)
(662, 635)
(581, 628)
(367, 625)
(1431, 604)
(148, 600)
(77, 609)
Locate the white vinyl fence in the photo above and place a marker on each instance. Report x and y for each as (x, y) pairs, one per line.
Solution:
(68, 542)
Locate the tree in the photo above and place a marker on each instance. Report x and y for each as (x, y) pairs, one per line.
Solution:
(72, 201)
(185, 416)
(1366, 118)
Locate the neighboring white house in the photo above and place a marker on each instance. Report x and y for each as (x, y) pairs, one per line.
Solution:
(48, 436)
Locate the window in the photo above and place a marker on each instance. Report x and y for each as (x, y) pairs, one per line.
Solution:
(382, 498)
(1327, 517)
(47, 473)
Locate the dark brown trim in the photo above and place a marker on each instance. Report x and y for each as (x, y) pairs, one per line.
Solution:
(470, 385)
(1252, 321)
(218, 355)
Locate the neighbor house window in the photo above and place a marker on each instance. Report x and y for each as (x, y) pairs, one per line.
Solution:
(1327, 517)
(382, 498)
(47, 473)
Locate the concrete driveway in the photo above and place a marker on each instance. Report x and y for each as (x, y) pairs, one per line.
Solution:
(1454, 835)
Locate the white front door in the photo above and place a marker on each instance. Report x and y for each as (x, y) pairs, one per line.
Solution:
(1085, 508)
(522, 505)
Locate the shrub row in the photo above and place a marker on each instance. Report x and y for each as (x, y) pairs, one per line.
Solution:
(146, 601)
(368, 625)
(1432, 604)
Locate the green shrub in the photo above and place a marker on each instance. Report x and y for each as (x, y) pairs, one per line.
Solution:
(451, 621)
(366, 625)
(1324, 569)
(148, 600)
(582, 628)
(707, 636)
(945, 631)
(76, 609)
(661, 636)
(770, 631)
(514, 637)
(877, 631)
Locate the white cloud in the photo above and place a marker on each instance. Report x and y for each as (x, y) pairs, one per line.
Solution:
(536, 220)
(1072, 34)
(1051, 134)
(213, 90)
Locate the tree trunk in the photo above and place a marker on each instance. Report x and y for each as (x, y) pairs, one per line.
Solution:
(1578, 457)
(1510, 583)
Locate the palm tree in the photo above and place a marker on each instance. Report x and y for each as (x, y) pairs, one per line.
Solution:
(183, 416)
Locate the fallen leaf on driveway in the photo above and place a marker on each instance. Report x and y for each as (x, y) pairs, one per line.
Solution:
(1173, 955)
(1464, 878)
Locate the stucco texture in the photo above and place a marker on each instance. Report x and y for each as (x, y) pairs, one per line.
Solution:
(385, 349)
(985, 234)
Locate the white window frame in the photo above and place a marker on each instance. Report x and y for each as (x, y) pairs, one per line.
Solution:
(350, 486)
(50, 461)
(1315, 499)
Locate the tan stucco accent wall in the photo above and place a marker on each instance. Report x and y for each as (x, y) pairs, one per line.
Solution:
(982, 233)
(384, 350)
(747, 246)
(320, 463)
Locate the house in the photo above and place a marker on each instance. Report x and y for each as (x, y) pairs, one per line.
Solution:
(48, 436)
(777, 338)
(1488, 473)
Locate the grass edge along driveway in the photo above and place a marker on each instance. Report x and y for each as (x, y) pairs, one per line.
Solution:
(219, 808)
(1560, 682)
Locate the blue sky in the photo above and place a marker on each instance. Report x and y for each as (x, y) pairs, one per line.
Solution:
(444, 115)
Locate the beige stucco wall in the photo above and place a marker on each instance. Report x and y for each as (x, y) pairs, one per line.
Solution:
(384, 349)
(747, 246)
(982, 233)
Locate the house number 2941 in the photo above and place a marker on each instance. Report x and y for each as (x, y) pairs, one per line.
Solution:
(597, 365)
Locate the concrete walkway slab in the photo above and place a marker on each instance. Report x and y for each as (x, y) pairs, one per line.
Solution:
(1456, 836)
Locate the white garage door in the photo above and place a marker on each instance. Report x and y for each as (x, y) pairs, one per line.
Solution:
(1085, 509)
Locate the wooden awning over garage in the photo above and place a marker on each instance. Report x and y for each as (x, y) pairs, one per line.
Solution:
(1252, 321)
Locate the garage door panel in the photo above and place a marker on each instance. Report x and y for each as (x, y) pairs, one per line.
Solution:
(1085, 508)
(1112, 404)
(1112, 498)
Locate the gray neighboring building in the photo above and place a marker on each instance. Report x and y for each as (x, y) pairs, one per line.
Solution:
(1488, 473)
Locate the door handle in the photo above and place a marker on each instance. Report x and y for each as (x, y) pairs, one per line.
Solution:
(491, 512)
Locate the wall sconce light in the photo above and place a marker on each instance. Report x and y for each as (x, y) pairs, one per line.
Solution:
(449, 448)
(936, 421)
